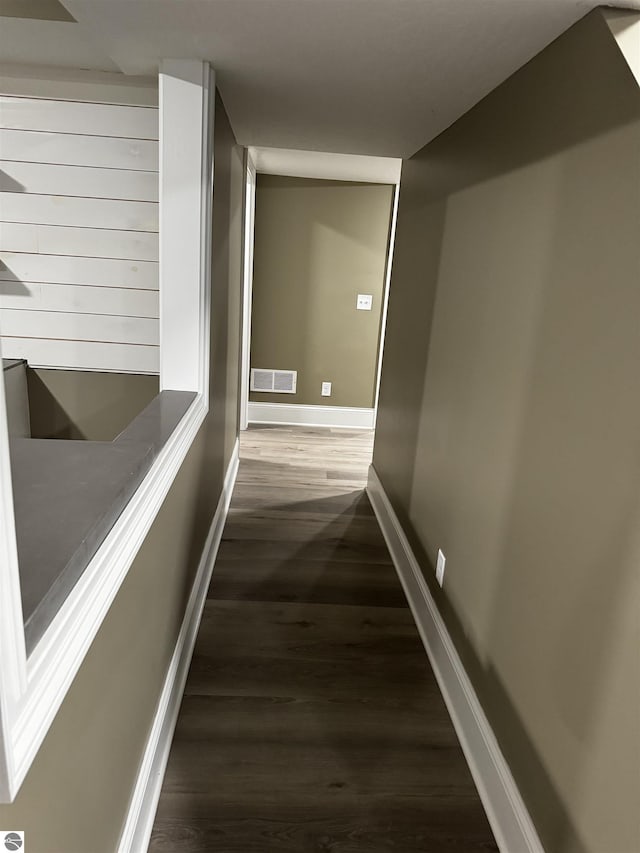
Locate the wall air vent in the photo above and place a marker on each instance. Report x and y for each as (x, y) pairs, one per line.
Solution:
(274, 381)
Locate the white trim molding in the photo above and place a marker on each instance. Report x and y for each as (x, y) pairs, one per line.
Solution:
(248, 231)
(286, 414)
(13, 677)
(387, 285)
(510, 821)
(146, 793)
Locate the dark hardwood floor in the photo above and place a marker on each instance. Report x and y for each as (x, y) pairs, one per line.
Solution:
(311, 719)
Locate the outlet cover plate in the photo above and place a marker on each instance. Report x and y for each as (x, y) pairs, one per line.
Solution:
(364, 302)
(440, 564)
(326, 389)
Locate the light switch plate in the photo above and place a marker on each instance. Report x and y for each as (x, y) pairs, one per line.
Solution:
(326, 389)
(364, 302)
(440, 564)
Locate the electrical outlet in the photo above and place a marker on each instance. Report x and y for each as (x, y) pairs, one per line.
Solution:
(364, 302)
(440, 564)
(326, 389)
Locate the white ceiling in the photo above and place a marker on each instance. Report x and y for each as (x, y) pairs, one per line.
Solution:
(376, 77)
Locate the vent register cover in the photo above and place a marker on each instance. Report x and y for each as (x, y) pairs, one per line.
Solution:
(274, 381)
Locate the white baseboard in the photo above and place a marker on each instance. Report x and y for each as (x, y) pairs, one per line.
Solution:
(287, 414)
(146, 793)
(508, 816)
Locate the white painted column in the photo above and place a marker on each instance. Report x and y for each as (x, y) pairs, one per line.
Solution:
(187, 100)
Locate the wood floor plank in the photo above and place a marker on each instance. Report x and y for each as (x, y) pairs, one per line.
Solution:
(306, 749)
(381, 825)
(330, 581)
(310, 631)
(292, 551)
(317, 499)
(311, 719)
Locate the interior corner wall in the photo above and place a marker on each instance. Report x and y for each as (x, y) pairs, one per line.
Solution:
(77, 404)
(508, 422)
(76, 794)
(318, 244)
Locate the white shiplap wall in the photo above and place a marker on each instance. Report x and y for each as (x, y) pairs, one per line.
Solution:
(79, 222)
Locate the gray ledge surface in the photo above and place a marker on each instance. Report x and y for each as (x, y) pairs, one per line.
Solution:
(67, 497)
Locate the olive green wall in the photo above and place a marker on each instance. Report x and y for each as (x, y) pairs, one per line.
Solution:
(509, 419)
(317, 245)
(76, 794)
(80, 404)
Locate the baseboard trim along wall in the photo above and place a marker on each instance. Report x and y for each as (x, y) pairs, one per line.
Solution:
(287, 414)
(146, 793)
(510, 821)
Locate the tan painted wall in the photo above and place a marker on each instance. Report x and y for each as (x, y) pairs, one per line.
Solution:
(76, 794)
(85, 405)
(509, 421)
(317, 245)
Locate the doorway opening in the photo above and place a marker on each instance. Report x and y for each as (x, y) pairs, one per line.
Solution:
(319, 236)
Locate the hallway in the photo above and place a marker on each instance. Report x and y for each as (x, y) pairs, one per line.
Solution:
(311, 719)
